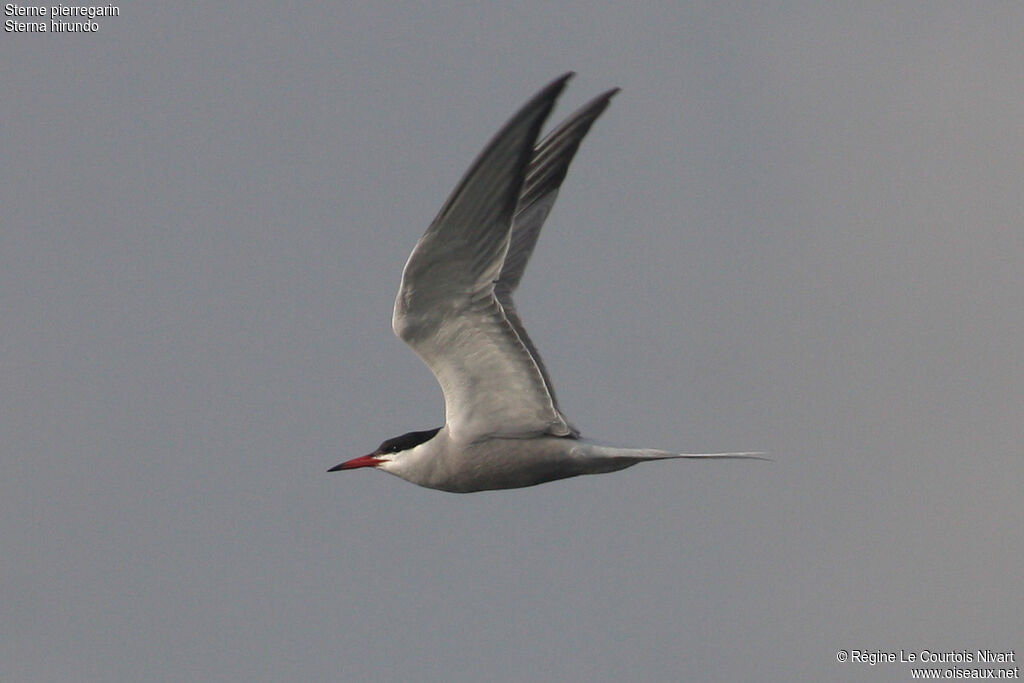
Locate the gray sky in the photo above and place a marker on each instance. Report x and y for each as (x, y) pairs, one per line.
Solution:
(797, 229)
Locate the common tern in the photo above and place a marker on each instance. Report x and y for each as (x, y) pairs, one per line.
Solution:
(503, 427)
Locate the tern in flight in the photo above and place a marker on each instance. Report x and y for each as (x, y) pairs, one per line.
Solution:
(503, 428)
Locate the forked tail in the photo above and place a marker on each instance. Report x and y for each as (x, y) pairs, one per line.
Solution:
(752, 455)
(597, 451)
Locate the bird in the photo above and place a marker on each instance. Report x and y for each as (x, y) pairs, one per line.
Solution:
(503, 426)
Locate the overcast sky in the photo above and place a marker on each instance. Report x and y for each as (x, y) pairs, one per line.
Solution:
(797, 229)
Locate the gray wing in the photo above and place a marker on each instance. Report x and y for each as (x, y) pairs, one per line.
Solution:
(544, 177)
(446, 308)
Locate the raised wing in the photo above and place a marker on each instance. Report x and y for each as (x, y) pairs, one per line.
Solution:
(547, 170)
(447, 309)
